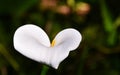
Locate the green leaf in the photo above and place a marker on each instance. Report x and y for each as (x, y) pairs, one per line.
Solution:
(9, 58)
(108, 23)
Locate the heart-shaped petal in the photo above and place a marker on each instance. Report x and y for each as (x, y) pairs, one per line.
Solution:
(33, 42)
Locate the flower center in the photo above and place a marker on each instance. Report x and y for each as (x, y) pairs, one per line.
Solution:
(53, 43)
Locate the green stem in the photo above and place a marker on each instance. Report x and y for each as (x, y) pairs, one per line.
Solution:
(82, 60)
(44, 70)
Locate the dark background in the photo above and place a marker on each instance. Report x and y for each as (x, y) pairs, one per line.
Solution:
(97, 20)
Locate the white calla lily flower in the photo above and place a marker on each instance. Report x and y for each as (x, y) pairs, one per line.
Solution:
(31, 41)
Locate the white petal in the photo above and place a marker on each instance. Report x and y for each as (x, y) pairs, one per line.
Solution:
(68, 38)
(65, 41)
(32, 41)
(58, 55)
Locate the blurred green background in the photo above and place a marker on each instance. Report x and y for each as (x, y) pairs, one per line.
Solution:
(97, 20)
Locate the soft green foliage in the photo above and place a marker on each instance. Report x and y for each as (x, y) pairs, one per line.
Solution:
(97, 20)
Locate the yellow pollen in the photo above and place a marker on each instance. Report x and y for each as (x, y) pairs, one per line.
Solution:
(53, 43)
